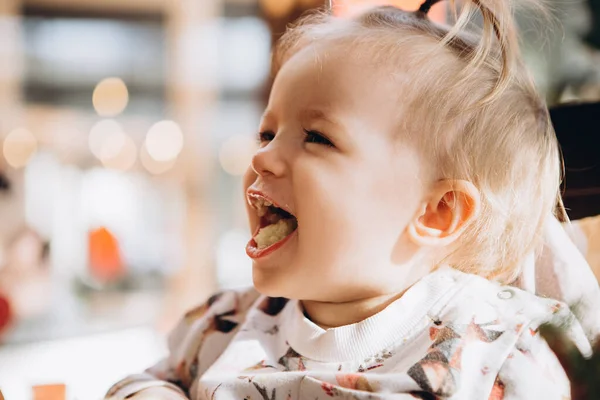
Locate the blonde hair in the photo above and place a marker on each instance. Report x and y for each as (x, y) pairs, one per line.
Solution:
(472, 109)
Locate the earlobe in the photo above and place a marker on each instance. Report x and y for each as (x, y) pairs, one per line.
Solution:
(451, 206)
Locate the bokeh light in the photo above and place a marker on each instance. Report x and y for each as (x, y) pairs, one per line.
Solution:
(152, 165)
(106, 139)
(277, 8)
(236, 154)
(19, 146)
(69, 142)
(110, 97)
(164, 141)
(125, 158)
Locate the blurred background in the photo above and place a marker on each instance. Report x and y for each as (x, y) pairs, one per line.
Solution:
(125, 127)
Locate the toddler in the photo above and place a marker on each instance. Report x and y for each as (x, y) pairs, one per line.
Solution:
(405, 174)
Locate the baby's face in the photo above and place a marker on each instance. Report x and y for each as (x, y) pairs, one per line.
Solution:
(342, 184)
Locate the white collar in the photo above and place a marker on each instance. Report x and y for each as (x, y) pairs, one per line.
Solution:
(374, 334)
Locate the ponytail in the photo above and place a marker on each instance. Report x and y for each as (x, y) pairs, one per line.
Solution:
(498, 41)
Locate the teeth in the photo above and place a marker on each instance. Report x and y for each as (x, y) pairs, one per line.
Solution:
(261, 205)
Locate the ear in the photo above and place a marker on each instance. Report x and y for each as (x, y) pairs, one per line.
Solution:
(451, 206)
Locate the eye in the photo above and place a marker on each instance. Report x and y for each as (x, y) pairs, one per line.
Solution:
(317, 137)
(265, 136)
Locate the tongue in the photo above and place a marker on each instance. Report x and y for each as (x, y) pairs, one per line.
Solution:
(275, 232)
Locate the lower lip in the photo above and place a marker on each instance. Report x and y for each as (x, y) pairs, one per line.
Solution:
(254, 253)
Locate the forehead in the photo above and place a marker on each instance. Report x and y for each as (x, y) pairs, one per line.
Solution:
(329, 76)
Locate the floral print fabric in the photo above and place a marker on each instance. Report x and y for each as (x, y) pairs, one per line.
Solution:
(478, 341)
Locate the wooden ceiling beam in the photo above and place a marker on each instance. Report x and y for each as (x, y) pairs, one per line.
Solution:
(132, 7)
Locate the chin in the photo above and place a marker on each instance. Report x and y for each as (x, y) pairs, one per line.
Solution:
(266, 282)
(272, 284)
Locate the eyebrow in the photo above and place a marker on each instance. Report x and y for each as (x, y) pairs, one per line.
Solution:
(317, 115)
(311, 114)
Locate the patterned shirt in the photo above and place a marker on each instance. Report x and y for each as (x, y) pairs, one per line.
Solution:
(450, 336)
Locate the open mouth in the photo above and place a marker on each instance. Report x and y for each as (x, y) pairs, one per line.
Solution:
(275, 227)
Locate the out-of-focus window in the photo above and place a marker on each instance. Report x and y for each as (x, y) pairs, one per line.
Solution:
(67, 55)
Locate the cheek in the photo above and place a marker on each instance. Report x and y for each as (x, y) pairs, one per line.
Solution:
(336, 209)
(396, 200)
(324, 205)
(365, 208)
(362, 207)
(397, 189)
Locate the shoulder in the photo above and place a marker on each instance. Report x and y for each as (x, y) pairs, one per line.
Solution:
(222, 312)
(203, 333)
(489, 332)
(508, 306)
(230, 302)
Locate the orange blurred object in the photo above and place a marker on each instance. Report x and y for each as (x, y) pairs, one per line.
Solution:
(104, 256)
(349, 7)
(50, 392)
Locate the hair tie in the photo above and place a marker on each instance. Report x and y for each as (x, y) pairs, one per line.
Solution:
(426, 6)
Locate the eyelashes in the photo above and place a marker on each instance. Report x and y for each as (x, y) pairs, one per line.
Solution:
(265, 136)
(317, 137)
(311, 136)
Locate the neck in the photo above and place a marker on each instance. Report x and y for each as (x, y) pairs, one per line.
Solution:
(332, 315)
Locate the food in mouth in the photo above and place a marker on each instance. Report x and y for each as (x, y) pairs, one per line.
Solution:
(275, 223)
(273, 233)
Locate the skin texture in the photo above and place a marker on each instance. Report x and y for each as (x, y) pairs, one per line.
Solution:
(371, 217)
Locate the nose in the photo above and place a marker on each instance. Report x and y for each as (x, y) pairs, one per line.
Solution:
(269, 160)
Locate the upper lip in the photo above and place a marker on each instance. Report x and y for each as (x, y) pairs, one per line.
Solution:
(252, 193)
